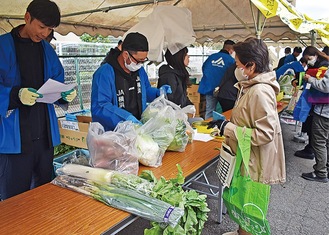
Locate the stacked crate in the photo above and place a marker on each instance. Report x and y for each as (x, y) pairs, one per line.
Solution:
(198, 100)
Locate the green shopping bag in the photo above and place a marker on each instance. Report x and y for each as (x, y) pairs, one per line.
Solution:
(247, 201)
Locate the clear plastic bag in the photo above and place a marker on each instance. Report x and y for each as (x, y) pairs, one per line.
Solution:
(285, 82)
(183, 130)
(113, 150)
(159, 129)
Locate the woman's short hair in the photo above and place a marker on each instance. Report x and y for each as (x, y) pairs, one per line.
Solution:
(253, 50)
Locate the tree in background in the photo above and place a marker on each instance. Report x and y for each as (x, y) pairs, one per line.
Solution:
(97, 38)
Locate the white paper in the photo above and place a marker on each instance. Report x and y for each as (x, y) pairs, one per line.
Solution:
(202, 137)
(51, 90)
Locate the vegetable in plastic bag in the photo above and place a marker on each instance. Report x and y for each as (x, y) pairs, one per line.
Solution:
(121, 180)
(125, 199)
(113, 150)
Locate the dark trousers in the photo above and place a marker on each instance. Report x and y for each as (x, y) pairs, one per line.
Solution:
(307, 128)
(22, 172)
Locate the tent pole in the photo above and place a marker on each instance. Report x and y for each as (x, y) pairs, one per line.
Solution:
(236, 16)
(106, 9)
(313, 37)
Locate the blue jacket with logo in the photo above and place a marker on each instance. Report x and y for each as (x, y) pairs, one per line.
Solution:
(104, 101)
(213, 70)
(10, 139)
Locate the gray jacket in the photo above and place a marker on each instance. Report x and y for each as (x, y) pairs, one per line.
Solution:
(323, 86)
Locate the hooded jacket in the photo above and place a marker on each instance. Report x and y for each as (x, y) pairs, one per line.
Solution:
(104, 101)
(174, 78)
(10, 139)
(256, 108)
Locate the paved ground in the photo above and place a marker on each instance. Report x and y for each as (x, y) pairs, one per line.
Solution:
(299, 207)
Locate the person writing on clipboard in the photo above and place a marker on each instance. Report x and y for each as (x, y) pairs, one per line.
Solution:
(29, 129)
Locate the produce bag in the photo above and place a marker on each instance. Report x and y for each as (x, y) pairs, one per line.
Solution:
(113, 150)
(247, 201)
(154, 137)
(183, 130)
(285, 81)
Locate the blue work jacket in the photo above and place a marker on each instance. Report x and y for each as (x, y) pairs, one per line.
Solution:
(104, 101)
(10, 139)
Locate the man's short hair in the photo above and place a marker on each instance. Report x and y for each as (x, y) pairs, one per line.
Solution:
(45, 11)
(229, 42)
(135, 42)
(287, 50)
(298, 50)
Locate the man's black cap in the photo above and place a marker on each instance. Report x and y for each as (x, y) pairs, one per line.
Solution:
(135, 42)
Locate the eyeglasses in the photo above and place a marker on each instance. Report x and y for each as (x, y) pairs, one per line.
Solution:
(138, 61)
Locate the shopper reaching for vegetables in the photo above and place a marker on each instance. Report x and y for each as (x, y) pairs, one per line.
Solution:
(120, 87)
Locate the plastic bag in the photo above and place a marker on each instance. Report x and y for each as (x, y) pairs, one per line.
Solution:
(303, 107)
(246, 200)
(184, 131)
(294, 99)
(285, 82)
(113, 150)
(160, 129)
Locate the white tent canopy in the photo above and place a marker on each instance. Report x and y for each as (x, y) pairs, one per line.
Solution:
(214, 20)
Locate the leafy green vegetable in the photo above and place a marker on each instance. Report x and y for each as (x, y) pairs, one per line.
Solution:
(171, 191)
(63, 148)
(180, 139)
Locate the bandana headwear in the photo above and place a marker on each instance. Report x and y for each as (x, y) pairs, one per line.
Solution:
(135, 42)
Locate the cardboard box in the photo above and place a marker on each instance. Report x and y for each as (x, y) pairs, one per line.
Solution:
(194, 95)
(73, 133)
(84, 118)
(200, 107)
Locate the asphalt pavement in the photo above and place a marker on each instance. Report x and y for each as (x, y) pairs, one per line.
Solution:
(298, 207)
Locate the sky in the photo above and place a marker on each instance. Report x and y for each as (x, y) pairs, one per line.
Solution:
(316, 9)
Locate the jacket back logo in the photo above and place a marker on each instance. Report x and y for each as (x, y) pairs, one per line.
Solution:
(219, 62)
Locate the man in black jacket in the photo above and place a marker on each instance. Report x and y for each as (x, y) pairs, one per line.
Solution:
(287, 51)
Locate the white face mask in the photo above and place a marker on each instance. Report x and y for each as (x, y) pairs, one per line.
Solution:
(239, 74)
(312, 60)
(132, 66)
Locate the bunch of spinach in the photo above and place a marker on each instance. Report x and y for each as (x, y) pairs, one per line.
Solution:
(171, 191)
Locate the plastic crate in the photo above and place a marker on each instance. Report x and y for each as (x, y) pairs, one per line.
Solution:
(58, 161)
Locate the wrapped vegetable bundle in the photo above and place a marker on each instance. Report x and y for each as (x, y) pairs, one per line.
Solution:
(118, 179)
(171, 209)
(125, 199)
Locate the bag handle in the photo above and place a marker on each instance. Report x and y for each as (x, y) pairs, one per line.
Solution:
(243, 149)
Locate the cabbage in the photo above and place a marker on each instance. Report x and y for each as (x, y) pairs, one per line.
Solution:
(148, 150)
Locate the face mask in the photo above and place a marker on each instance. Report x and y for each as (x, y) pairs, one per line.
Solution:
(132, 66)
(312, 61)
(239, 74)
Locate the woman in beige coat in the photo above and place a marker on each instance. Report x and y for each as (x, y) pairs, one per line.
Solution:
(256, 108)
